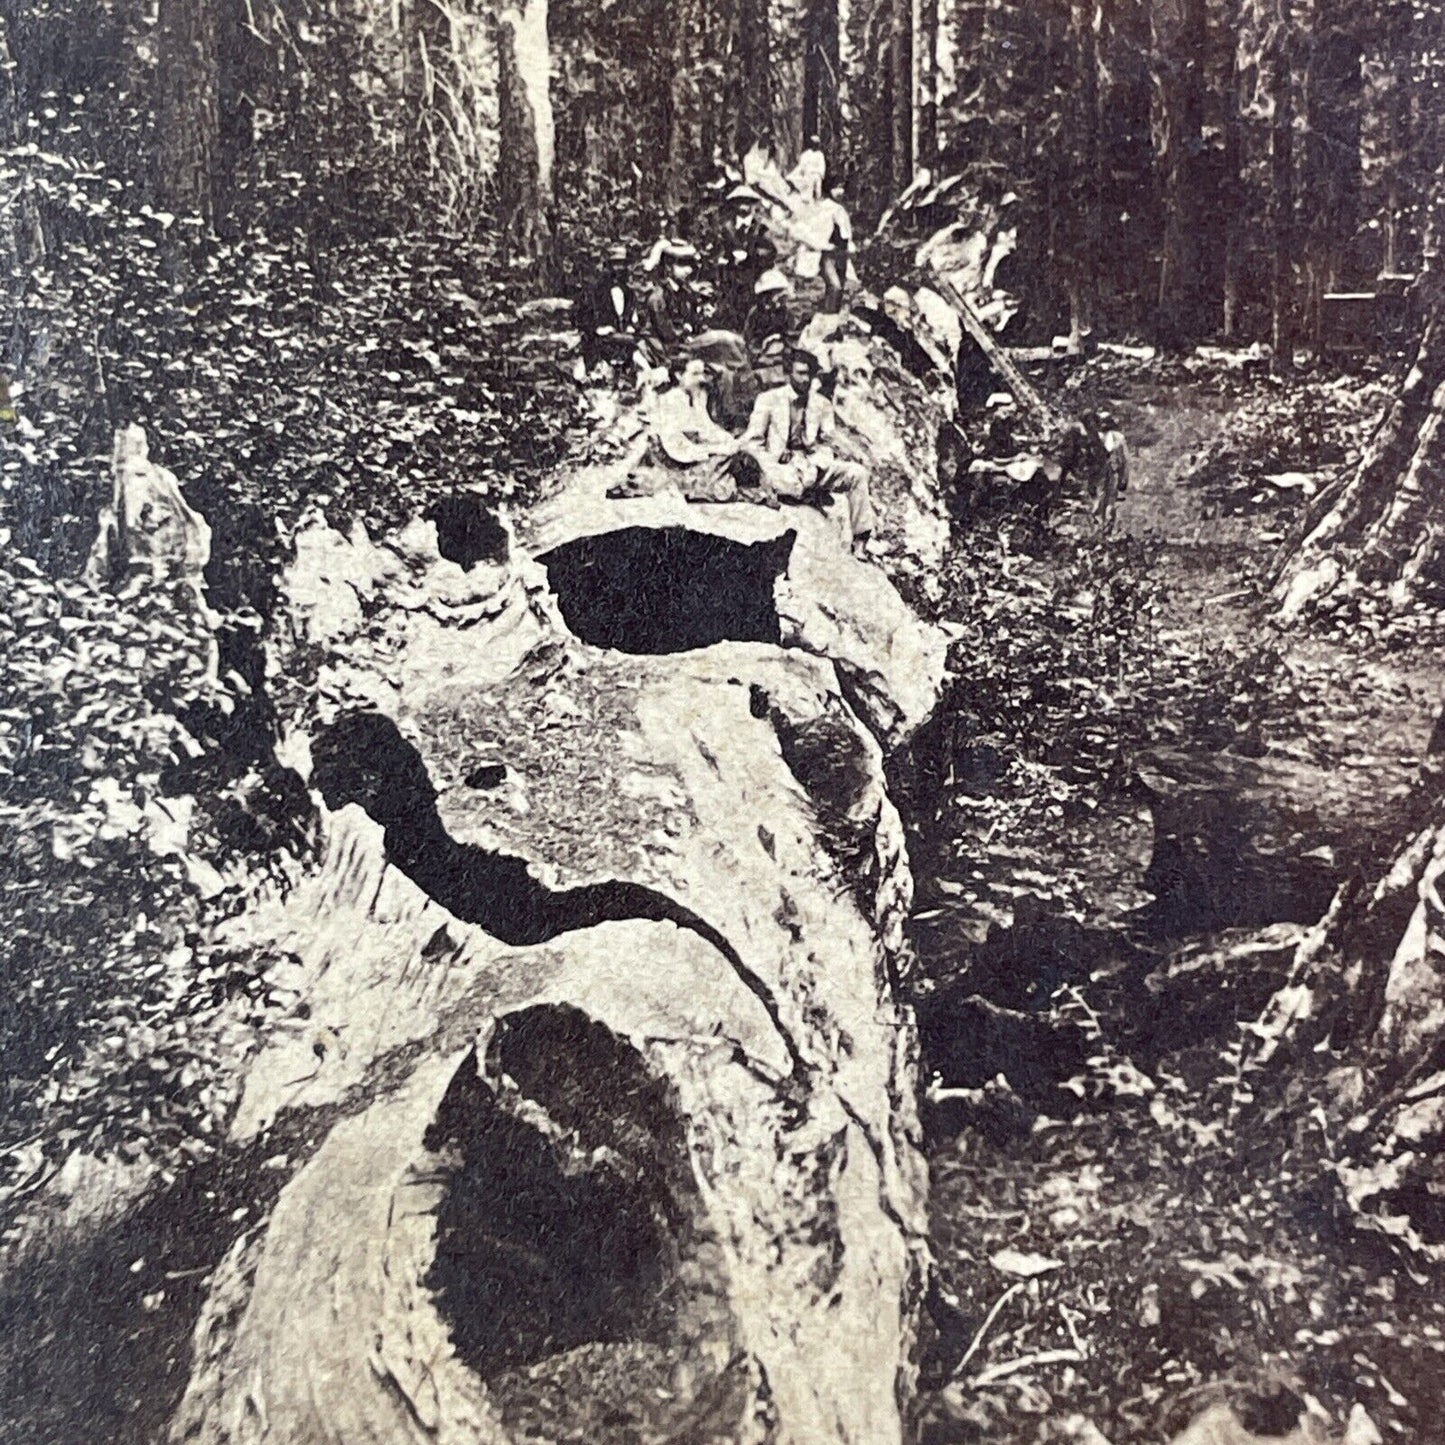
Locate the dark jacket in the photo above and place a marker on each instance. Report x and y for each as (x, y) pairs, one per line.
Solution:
(769, 317)
(606, 315)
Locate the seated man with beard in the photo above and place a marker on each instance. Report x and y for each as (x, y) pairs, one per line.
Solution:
(789, 435)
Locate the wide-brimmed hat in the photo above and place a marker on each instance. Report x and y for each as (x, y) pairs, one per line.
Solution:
(770, 281)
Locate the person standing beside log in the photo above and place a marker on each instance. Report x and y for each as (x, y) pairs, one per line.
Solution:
(833, 219)
(607, 315)
(668, 310)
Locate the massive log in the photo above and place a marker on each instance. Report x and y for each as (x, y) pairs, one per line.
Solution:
(595, 978)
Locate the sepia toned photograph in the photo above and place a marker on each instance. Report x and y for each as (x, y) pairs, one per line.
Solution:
(722, 722)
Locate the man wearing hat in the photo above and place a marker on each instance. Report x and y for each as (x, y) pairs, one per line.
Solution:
(1003, 414)
(747, 252)
(789, 434)
(607, 313)
(668, 308)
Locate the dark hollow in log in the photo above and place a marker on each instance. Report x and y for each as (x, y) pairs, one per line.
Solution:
(968, 1041)
(363, 758)
(553, 1237)
(467, 532)
(668, 589)
(575, 1267)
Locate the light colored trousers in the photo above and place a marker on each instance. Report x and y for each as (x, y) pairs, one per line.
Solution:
(820, 469)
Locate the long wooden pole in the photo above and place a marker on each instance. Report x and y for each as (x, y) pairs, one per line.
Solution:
(1023, 389)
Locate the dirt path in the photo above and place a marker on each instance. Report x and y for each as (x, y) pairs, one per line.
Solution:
(1355, 718)
(1193, 1247)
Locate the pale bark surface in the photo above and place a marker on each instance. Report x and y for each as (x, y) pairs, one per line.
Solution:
(750, 1106)
(527, 141)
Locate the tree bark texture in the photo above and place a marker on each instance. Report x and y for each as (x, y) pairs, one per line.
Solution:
(1332, 167)
(1178, 39)
(751, 101)
(881, 94)
(787, 23)
(900, 43)
(1086, 192)
(187, 108)
(1387, 524)
(526, 143)
(929, 78)
(822, 72)
(1282, 189)
(1233, 180)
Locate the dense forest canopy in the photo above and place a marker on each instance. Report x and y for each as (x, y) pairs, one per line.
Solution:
(1181, 171)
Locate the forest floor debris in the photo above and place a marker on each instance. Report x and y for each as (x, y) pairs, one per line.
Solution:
(1204, 1243)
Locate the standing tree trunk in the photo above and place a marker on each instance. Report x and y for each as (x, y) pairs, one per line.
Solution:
(900, 53)
(685, 102)
(1233, 191)
(188, 121)
(1086, 191)
(1178, 40)
(1395, 52)
(751, 105)
(526, 142)
(1332, 164)
(1281, 190)
(1386, 525)
(822, 68)
(787, 25)
(878, 76)
(928, 84)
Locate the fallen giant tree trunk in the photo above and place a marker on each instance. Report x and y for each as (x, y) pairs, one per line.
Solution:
(596, 977)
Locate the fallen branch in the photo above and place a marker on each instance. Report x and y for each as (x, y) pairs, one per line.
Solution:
(1024, 391)
(988, 1320)
(1005, 1368)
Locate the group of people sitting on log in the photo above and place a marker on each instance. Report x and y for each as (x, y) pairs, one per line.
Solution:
(717, 270)
(785, 451)
(750, 408)
(746, 402)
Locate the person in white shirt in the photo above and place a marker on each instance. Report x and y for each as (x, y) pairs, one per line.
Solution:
(682, 424)
(1114, 478)
(789, 435)
(825, 240)
(807, 176)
